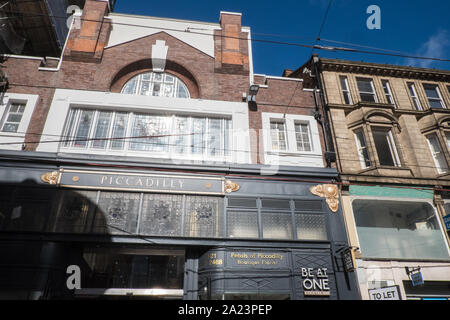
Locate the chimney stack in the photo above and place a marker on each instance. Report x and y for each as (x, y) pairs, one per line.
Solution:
(231, 45)
(89, 36)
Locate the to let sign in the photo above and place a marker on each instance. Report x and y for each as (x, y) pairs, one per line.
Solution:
(387, 293)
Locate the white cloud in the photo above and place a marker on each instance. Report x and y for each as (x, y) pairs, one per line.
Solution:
(437, 46)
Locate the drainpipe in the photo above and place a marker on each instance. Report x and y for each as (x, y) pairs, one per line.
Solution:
(330, 153)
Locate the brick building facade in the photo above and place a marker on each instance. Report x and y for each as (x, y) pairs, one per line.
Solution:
(140, 159)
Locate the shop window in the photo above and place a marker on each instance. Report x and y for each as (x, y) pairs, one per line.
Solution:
(117, 213)
(157, 85)
(77, 209)
(308, 205)
(275, 203)
(25, 209)
(276, 225)
(398, 230)
(242, 224)
(366, 90)
(133, 270)
(242, 202)
(203, 217)
(162, 215)
(311, 226)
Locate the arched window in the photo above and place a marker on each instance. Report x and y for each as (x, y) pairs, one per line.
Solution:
(157, 85)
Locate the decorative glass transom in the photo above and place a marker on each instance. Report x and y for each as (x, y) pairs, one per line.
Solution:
(157, 85)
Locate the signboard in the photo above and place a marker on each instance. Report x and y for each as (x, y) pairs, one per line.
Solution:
(348, 256)
(387, 293)
(140, 182)
(416, 279)
(447, 222)
(315, 282)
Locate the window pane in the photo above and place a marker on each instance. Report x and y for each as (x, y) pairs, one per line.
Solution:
(215, 137)
(242, 224)
(242, 202)
(308, 205)
(102, 130)
(385, 156)
(398, 229)
(438, 155)
(364, 85)
(311, 226)
(154, 129)
(276, 225)
(117, 213)
(275, 204)
(130, 87)
(367, 97)
(227, 132)
(431, 91)
(68, 132)
(198, 135)
(156, 84)
(14, 117)
(278, 134)
(162, 215)
(203, 217)
(119, 130)
(302, 137)
(76, 211)
(181, 137)
(10, 127)
(84, 127)
(362, 149)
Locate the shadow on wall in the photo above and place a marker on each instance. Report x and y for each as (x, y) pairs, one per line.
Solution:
(43, 231)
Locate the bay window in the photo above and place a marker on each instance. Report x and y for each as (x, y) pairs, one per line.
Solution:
(140, 132)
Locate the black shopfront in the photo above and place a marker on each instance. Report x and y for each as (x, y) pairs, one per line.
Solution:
(229, 233)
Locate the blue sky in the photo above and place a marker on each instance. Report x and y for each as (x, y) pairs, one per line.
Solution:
(414, 27)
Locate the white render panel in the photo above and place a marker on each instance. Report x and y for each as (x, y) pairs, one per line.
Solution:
(127, 28)
(64, 99)
(291, 157)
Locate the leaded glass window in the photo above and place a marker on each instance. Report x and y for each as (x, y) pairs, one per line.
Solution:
(139, 132)
(117, 213)
(156, 85)
(202, 217)
(76, 210)
(162, 215)
(13, 117)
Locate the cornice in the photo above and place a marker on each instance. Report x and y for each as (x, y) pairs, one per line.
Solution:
(384, 70)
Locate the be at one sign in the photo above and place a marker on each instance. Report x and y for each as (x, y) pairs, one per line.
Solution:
(387, 293)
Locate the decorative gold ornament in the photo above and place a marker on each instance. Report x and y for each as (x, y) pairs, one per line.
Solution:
(50, 177)
(208, 185)
(76, 178)
(231, 186)
(330, 193)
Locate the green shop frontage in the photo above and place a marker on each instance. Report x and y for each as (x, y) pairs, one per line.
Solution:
(400, 235)
(139, 232)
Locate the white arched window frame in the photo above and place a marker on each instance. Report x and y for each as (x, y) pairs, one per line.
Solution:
(156, 84)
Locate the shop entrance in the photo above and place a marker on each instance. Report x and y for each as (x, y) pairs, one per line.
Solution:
(127, 273)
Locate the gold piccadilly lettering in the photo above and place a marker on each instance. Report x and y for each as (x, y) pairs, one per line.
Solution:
(104, 178)
(127, 181)
(119, 180)
(139, 182)
(148, 184)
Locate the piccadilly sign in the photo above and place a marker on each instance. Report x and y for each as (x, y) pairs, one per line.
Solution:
(126, 181)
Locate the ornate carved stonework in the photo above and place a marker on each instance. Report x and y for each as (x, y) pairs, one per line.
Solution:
(50, 177)
(330, 193)
(231, 186)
